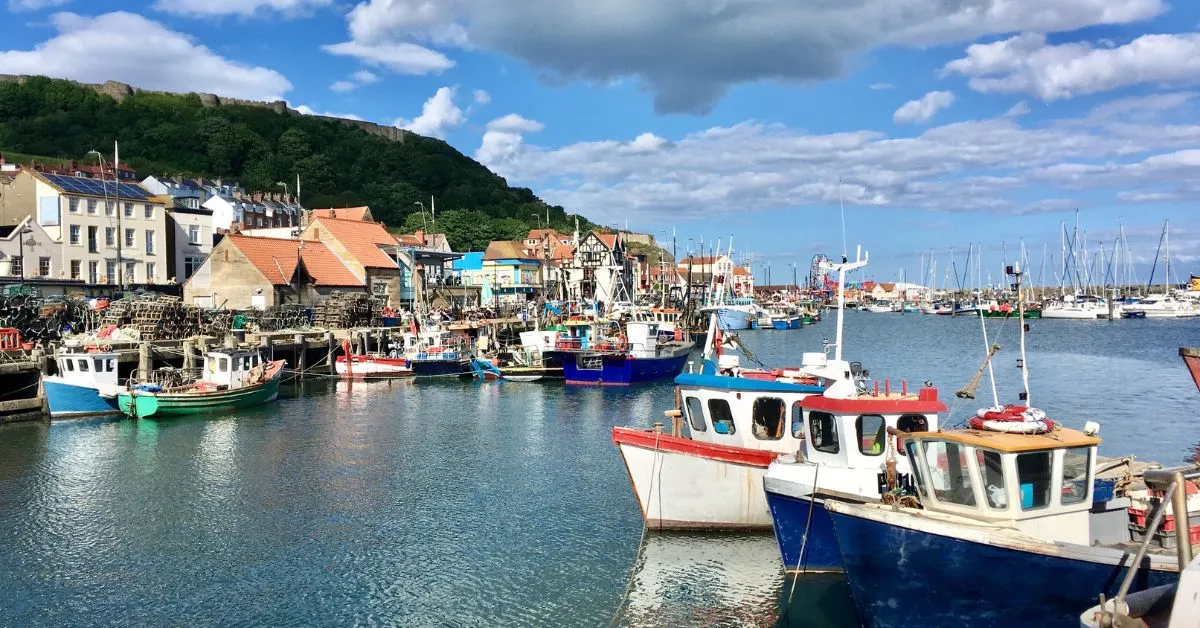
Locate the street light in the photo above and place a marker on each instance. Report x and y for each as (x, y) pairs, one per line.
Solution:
(25, 229)
(424, 225)
(538, 218)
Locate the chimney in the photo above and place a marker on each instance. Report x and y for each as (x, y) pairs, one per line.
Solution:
(257, 197)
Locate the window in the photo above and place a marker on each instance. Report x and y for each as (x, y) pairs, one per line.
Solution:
(83, 366)
(223, 364)
(872, 434)
(76, 269)
(110, 209)
(910, 423)
(93, 272)
(73, 205)
(110, 271)
(191, 264)
(721, 417)
(797, 420)
(43, 266)
(1076, 467)
(1033, 474)
(695, 410)
(74, 231)
(822, 432)
(991, 467)
(18, 266)
(128, 210)
(130, 272)
(91, 206)
(193, 234)
(150, 271)
(769, 415)
(110, 236)
(70, 364)
(951, 481)
(148, 211)
(99, 364)
(149, 242)
(129, 238)
(910, 450)
(93, 246)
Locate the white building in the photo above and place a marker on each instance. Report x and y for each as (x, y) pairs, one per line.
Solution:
(28, 252)
(190, 238)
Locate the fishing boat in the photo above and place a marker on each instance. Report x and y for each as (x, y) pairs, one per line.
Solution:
(778, 317)
(436, 352)
(733, 317)
(371, 366)
(1009, 498)
(536, 358)
(86, 383)
(1191, 357)
(729, 423)
(638, 354)
(908, 307)
(1006, 309)
(229, 379)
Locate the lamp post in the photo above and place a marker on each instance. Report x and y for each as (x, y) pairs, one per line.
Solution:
(424, 225)
(25, 229)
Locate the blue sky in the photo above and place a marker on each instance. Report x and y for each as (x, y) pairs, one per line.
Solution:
(947, 122)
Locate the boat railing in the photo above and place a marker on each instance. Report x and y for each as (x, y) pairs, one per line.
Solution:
(1173, 483)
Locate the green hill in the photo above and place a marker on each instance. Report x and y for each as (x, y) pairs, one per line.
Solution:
(340, 163)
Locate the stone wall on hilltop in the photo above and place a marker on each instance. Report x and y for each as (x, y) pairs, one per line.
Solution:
(119, 91)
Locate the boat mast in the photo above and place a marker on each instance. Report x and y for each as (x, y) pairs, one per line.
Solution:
(842, 269)
(1023, 365)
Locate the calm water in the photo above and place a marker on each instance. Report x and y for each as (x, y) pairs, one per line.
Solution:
(448, 504)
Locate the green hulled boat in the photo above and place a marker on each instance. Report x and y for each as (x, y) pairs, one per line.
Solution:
(1009, 312)
(230, 380)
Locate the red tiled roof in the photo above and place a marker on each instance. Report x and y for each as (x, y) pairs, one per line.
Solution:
(699, 261)
(868, 285)
(343, 213)
(505, 249)
(361, 239)
(741, 271)
(887, 287)
(609, 239)
(275, 258)
(563, 252)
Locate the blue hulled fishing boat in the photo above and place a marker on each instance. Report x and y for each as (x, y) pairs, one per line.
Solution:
(639, 354)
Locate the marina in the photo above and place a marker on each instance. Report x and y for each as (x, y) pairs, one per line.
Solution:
(334, 502)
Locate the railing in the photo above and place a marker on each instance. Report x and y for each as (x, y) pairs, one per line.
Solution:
(1173, 483)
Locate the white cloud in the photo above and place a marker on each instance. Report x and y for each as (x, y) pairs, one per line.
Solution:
(244, 8)
(403, 57)
(504, 138)
(343, 86)
(1025, 63)
(1016, 110)
(17, 6)
(356, 80)
(879, 86)
(924, 108)
(688, 53)
(308, 111)
(985, 165)
(114, 47)
(438, 115)
(482, 97)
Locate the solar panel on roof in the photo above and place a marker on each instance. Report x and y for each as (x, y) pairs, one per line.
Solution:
(93, 187)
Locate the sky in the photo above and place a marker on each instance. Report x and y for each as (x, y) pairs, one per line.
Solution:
(935, 124)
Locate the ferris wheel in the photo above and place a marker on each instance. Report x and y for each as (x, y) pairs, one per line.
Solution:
(816, 272)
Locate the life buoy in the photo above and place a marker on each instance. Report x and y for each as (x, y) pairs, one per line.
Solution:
(1012, 419)
(622, 342)
(1006, 307)
(992, 307)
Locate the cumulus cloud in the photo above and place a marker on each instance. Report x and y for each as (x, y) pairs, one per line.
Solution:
(986, 165)
(1026, 63)
(356, 80)
(1018, 109)
(503, 139)
(17, 6)
(438, 115)
(923, 108)
(482, 97)
(309, 111)
(114, 47)
(880, 86)
(244, 8)
(403, 57)
(688, 53)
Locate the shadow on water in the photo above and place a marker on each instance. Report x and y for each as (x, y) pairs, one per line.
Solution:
(698, 579)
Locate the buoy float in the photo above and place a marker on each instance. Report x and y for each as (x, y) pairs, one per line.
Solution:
(1012, 419)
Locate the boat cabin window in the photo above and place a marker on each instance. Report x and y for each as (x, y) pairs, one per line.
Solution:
(951, 481)
(822, 431)
(797, 420)
(1075, 466)
(70, 364)
(695, 410)
(1033, 473)
(910, 447)
(721, 416)
(910, 423)
(991, 467)
(223, 364)
(83, 365)
(770, 414)
(872, 434)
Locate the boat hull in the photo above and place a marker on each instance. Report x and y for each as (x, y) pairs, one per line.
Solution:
(1191, 357)
(730, 319)
(1011, 314)
(530, 373)
(620, 369)
(165, 405)
(365, 367)
(796, 519)
(683, 484)
(70, 400)
(900, 576)
(440, 368)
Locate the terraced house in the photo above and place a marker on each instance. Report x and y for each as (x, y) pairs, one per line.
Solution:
(108, 233)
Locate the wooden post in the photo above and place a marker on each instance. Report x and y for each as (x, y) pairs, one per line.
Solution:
(145, 361)
(379, 342)
(189, 355)
(302, 353)
(267, 346)
(330, 343)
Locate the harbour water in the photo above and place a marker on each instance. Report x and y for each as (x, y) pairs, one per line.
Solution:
(466, 504)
